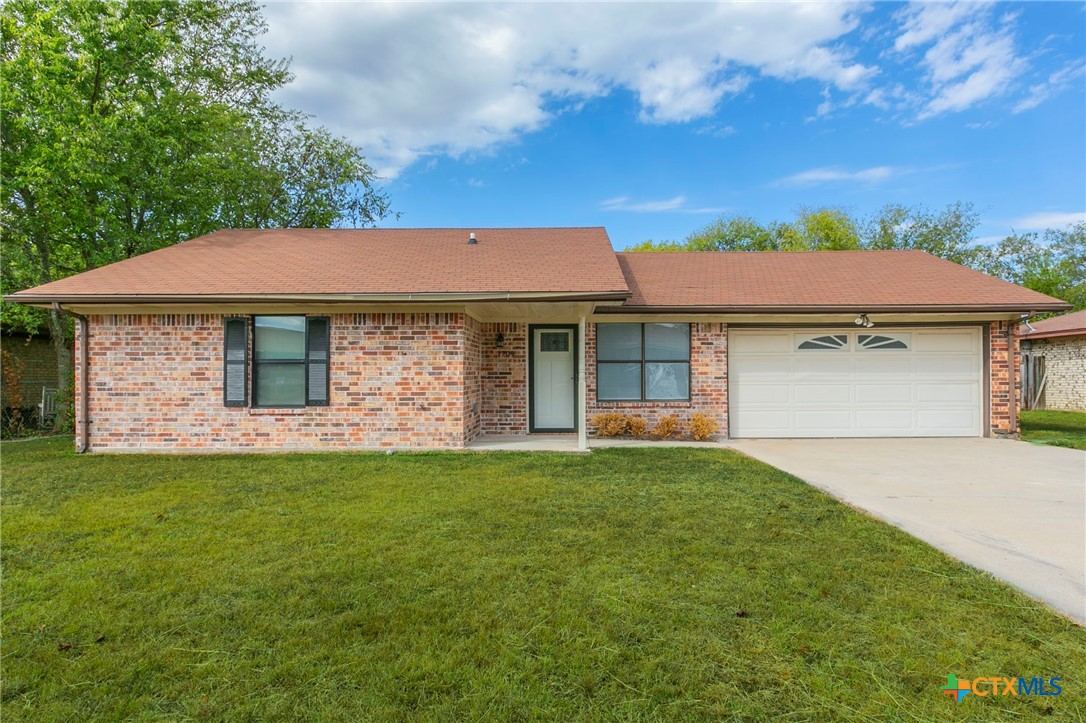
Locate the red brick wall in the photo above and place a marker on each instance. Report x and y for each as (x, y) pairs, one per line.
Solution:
(1004, 380)
(397, 381)
(504, 377)
(473, 367)
(708, 381)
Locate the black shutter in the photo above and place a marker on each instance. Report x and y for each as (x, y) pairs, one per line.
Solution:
(235, 385)
(316, 361)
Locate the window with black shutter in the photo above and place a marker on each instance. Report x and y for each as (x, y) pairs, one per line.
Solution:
(290, 361)
(316, 353)
(236, 362)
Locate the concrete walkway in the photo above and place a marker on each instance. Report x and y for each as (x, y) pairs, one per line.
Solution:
(1014, 509)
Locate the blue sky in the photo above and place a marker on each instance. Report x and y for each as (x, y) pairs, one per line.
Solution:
(652, 120)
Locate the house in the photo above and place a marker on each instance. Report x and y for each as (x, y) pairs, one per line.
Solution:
(29, 366)
(429, 338)
(1054, 362)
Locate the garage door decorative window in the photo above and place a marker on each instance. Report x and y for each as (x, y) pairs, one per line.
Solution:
(834, 341)
(879, 341)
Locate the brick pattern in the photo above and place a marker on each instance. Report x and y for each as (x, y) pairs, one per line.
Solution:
(473, 369)
(1065, 371)
(397, 381)
(505, 379)
(1004, 380)
(708, 381)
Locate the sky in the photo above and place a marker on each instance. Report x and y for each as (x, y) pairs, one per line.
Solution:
(654, 119)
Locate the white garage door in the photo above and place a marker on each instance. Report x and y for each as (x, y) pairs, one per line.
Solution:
(844, 383)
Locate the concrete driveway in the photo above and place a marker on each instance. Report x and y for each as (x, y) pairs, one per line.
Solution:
(1014, 509)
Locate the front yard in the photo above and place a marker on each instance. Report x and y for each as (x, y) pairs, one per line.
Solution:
(629, 583)
(1062, 429)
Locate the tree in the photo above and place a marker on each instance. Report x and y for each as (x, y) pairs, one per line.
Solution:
(132, 126)
(1052, 262)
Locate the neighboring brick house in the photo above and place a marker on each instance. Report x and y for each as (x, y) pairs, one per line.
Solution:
(431, 338)
(1060, 380)
(35, 362)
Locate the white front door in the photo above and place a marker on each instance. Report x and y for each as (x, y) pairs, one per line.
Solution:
(554, 388)
(882, 382)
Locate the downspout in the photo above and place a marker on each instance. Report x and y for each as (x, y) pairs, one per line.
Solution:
(83, 341)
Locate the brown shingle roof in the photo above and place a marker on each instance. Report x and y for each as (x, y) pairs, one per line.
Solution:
(1072, 324)
(248, 262)
(855, 280)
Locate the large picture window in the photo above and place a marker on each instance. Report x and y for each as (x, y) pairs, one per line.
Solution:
(290, 361)
(642, 362)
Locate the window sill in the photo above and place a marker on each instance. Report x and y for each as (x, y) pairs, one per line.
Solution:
(277, 411)
(643, 404)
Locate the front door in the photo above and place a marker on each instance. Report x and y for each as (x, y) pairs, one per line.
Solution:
(553, 379)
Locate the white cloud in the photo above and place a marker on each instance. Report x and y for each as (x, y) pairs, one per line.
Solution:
(1047, 219)
(1054, 84)
(405, 80)
(673, 205)
(970, 56)
(816, 176)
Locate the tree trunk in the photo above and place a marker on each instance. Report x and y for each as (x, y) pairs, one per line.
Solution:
(58, 328)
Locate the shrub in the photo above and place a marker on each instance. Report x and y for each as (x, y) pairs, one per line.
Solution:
(667, 428)
(636, 426)
(702, 426)
(611, 424)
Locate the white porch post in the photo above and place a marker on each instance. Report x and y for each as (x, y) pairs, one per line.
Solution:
(582, 387)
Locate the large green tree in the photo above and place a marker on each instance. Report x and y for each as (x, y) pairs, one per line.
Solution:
(131, 126)
(1052, 262)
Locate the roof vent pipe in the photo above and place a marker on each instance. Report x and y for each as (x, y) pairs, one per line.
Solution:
(471, 238)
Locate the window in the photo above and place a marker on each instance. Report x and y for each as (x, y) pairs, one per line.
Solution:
(290, 361)
(881, 341)
(642, 362)
(826, 341)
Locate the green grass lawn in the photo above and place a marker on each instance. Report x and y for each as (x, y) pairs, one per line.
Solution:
(677, 584)
(1062, 429)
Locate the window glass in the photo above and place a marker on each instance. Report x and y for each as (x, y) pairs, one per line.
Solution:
(619, 381)
(279, 384)
(667, 381)
(669, 342)
(835, 341)
(279, 337)
(618, 342)
(554, 340)
(880, 341)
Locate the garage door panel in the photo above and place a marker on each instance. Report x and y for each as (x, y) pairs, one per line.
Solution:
(762, 394)
(964, 392)
(822, 393)
(762, 366)
(820, 366)
(947, 420)
(816, 422)
(882, 365)
(887, 393)
(948, 365)
(900, 382)
(883, 420)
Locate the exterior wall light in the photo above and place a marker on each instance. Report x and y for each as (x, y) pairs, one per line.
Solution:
(499, 340)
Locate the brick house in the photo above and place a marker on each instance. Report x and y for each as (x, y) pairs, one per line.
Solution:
(431, 338)
(1056, 348)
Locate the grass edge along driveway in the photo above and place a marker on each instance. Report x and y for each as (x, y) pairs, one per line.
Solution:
(676, 584)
